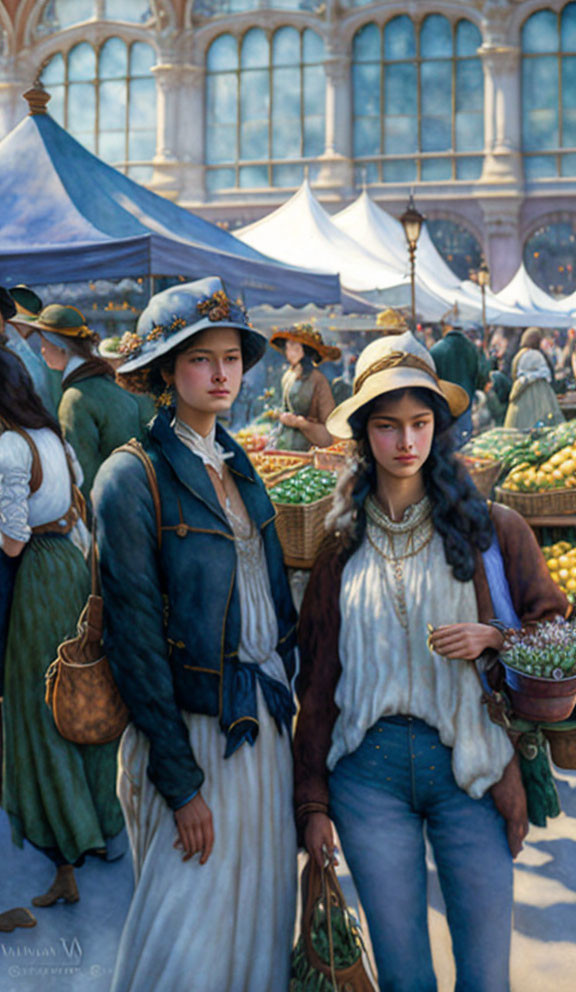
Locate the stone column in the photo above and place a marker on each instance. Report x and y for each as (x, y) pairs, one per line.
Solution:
(15, 79)
(166, 179)
(179, 159)
(502, 114)
(502, 246)
(336, 162)
(192, 144)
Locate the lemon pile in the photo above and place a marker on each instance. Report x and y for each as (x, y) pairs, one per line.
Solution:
(557, 472)
(561, 560)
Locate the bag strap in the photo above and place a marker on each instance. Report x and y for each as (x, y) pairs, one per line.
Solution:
(134, 447)
(36, 474)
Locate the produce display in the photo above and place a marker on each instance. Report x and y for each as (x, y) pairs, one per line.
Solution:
(541, 443)
(495, 444)
(270, 466)
(254, 437)
(561, 561)
(306, 486)
(556, 472)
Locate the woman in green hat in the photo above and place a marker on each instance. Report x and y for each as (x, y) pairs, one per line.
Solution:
(58, 796)
(95, 414)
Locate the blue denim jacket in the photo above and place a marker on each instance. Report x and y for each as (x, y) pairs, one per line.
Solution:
(172, 615)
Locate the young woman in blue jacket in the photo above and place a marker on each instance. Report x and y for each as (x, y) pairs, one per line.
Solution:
(200, 632)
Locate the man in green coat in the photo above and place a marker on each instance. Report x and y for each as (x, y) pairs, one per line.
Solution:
(458, 360)
(95, 414)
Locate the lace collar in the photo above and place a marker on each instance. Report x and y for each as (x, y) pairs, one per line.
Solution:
(207, 448)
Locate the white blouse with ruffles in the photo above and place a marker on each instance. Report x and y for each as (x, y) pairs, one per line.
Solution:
(387, 667)
(19, 510)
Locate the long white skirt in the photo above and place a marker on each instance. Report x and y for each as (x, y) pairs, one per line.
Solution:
(225, 926)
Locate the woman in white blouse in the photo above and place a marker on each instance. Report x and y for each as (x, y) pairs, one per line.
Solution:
(393, 743)
(59, 796)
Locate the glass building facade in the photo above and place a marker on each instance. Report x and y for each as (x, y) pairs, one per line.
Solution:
(226, 105)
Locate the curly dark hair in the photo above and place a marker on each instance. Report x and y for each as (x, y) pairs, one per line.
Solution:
(20, 405)
(460, 515)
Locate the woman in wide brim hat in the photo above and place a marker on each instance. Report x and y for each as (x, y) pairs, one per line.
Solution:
(95, 415)
(200, 636)
(392, 736)
(307, 398)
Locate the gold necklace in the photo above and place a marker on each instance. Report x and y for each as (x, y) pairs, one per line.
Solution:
(397, 560)
(393, 557)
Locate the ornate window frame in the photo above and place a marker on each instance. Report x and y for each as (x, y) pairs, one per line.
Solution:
(381, 18)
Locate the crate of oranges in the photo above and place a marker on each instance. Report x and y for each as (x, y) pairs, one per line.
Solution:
(544, 489)
(561, 561)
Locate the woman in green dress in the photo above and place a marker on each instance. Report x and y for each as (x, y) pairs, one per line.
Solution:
(58, 796)
(307, 399)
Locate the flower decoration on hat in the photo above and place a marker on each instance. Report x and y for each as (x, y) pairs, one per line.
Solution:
(130, 344)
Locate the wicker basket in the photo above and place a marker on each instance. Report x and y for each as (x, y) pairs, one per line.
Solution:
(483, 472)
(300, 527)
(556, 503)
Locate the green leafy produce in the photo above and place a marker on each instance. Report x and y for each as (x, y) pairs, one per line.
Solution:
(306, 486)
(494, 444)
(347, 949)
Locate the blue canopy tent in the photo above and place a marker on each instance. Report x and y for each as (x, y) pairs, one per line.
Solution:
(67, 216)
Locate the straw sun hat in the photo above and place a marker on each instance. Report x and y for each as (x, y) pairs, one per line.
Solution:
(306, 334)
(397, 361)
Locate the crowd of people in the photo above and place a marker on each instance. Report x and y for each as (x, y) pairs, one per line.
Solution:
(414, 583)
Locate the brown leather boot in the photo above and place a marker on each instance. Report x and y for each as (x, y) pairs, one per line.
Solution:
(63, 887)
(18, 917)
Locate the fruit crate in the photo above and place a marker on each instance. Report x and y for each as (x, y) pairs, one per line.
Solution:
(333, 461)
(552, 503)
(288, 462)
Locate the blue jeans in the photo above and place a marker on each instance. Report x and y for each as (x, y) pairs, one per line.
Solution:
(381, 796)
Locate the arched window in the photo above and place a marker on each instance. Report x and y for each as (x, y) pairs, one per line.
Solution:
(549, 93)
(418, 101)
(106, 98)
(60, 14)
(458, 247)
(550, 256)
(264, 108)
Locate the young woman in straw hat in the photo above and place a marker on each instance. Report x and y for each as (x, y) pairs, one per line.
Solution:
(392, 737)
(306, 395)
(58, 796)
(200, 634)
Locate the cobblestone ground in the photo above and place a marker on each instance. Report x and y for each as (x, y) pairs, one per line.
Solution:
(73, 947)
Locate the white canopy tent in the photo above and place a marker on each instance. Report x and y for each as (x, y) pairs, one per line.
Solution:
(384, 237)
(523, 292)
(301, 229)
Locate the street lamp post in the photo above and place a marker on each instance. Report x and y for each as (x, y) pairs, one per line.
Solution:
(412, 221)
(483, 280)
